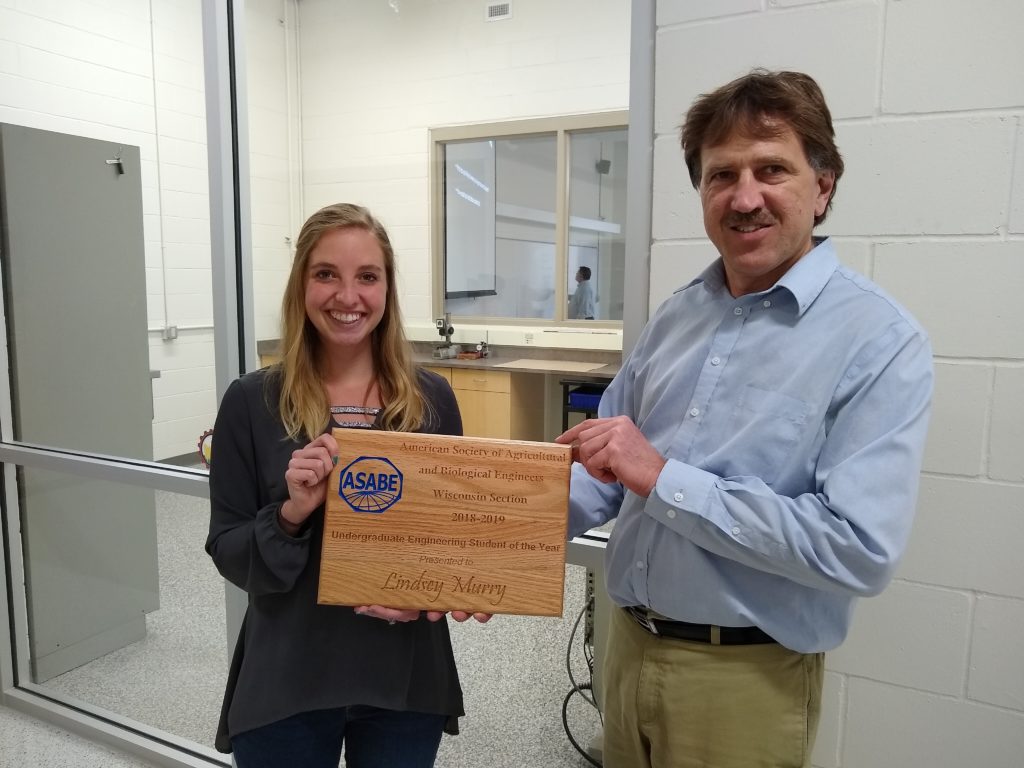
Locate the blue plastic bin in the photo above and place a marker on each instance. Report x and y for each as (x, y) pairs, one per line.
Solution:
(585, 398)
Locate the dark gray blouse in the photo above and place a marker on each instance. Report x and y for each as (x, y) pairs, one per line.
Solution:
(293, 655)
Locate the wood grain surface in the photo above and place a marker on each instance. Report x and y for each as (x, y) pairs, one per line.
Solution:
(446, 523)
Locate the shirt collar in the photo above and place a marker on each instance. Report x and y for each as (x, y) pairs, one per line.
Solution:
(807, 278)
(713, 278)
(804, 280)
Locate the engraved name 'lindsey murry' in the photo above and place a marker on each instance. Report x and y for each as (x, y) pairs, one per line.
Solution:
(432, 587)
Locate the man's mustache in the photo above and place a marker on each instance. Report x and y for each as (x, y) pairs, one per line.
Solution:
(760, 217)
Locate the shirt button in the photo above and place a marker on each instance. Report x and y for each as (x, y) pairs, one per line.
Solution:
(735, 530)
(766, 303)
(738, 311)
(640, 564)
(677, 496)
(671, 514)
(695, 411)
(716, 360)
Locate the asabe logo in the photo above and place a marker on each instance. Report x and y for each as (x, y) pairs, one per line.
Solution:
(370, 484)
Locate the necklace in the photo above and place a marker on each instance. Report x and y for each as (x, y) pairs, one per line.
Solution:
(354, 410)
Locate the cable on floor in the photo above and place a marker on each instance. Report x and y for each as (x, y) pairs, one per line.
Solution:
(585, 690)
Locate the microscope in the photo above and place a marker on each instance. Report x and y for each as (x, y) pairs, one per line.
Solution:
(446, 350)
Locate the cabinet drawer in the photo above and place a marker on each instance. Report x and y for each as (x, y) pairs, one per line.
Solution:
(480, 381)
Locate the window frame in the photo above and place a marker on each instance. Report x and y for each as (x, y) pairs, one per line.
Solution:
(561, 127)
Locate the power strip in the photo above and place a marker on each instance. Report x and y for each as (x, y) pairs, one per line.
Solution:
(588, 620)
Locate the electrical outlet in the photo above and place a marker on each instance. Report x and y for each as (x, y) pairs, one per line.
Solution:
(528, 338)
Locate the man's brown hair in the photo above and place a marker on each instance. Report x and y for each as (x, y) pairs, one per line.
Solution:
(763, 104)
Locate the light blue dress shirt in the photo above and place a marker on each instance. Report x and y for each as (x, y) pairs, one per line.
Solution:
(793, 421)
(581, 305)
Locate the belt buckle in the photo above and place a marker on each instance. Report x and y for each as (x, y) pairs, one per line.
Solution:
(640, 615)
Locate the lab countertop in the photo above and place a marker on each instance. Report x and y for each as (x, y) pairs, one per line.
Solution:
(569, 363)
(515, 362)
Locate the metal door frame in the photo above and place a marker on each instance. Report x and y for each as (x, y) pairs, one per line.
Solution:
(235, 352)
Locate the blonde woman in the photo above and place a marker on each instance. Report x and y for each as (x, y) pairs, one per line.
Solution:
(307, 680)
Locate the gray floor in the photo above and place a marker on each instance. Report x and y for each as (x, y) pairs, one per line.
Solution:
(513, 672)
(28, 743)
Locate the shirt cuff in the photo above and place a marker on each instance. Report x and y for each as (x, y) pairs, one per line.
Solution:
(269, 519)
(680, 496)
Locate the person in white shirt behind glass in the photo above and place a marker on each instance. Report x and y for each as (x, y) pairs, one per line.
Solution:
(760, 450)
(581, 305)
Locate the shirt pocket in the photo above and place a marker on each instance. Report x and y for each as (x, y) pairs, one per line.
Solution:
(766, 427)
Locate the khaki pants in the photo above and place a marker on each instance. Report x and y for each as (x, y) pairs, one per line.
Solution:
(676, 704)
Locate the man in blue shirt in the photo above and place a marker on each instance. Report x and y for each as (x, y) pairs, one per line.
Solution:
(760, 449)
(581, 305)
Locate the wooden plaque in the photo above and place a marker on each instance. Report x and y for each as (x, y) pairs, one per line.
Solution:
(446, 523)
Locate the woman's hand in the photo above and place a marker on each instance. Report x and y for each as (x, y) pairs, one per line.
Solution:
(306, 477)
(392, 615)
(461, 616)
(402, 615)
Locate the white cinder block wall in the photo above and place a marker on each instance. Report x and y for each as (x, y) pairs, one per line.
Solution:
(375, 79)
(115, 72)
(131, 71)
(928, 101)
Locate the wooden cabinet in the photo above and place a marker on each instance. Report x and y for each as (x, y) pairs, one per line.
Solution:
(445, 373)
(485, 402)
(499, 404)
(502, 404)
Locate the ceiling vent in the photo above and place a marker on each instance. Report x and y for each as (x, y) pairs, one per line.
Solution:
(498, 11)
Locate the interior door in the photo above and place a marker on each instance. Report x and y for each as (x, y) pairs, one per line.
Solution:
(75, 283)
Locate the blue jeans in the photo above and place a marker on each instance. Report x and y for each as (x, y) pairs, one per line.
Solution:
(373, 738)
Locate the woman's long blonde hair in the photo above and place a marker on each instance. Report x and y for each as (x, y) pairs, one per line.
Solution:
(303, 402)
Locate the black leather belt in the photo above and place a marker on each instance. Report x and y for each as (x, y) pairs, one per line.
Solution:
(698, 633)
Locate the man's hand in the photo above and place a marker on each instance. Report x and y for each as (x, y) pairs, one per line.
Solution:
(615, 450)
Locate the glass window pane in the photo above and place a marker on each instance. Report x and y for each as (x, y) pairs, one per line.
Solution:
(274, 177)
(469, 210)
(106, 249)
(500, 227)
(126, 611)
(597, 224)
